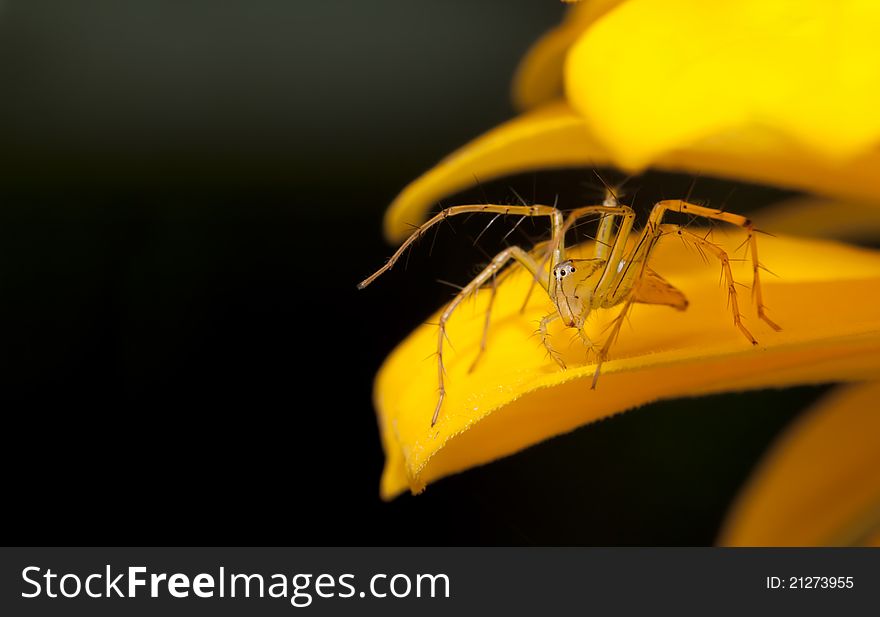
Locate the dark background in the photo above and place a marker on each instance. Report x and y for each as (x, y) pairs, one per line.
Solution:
(191, 190)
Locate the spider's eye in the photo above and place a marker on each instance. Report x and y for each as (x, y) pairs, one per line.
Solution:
(572, 269)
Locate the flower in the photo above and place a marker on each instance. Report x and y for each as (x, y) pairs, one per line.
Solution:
(765, 91)
(819, 484)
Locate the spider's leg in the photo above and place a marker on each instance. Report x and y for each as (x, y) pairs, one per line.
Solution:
(605, 231)
(612, 337)
(545, 338)
(541, 249)
(497, 263)
(494, 291)
(619, 279)
(684, 207)
(606, 239)
(554, 214)
(636, 269)
(496, 280)
(756, 282)
(722, 256)
(588, 343)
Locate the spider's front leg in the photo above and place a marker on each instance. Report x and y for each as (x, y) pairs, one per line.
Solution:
(545, 339)
(530, 211)
(497, 263)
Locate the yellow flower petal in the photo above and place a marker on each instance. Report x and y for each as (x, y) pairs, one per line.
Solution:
(820, 483)
(538, 78)
(555, 136)
(655, 76)
(825, 298)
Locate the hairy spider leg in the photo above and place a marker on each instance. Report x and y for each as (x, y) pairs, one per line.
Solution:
(722, 256)
(540, 248)
(606, 228)
(652, 232)
(545, 338)
(485, 337)
(619, 286)
(498, 262)
(554, 214)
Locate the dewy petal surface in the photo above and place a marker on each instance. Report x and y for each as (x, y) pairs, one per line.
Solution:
(820, 483)
(825, 297)
(555, 136)
(655, 76)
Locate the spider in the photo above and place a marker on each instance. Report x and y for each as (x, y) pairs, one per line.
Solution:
(617, 274)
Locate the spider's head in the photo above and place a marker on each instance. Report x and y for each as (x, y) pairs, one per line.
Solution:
(564, 269)
(568, 293)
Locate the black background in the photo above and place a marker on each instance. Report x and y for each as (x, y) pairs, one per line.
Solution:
(190, 192)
